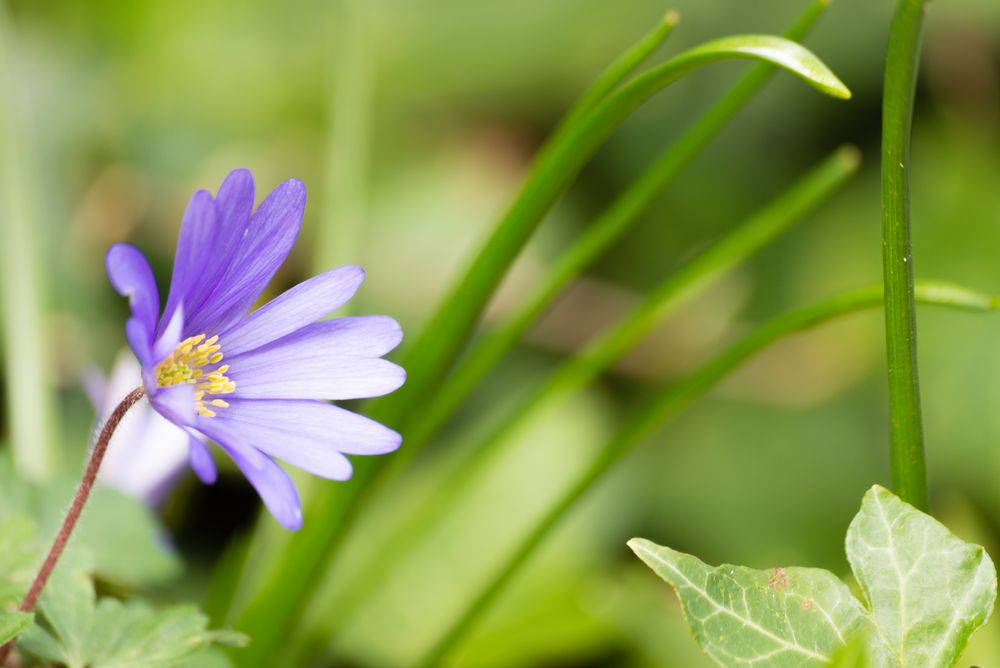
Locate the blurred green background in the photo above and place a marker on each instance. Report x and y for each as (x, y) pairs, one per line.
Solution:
(411, 124)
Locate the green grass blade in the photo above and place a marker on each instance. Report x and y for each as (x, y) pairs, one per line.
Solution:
(350, 92)
(420, 427)
(668, 402)
(29, 401)
(906, 443)
(620, 69)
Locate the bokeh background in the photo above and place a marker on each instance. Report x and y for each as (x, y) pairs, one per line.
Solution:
(412, 123)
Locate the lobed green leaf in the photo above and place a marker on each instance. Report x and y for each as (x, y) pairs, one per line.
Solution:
(745, 617)
(927, 590)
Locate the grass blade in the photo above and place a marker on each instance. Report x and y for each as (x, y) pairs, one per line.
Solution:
(29, 402)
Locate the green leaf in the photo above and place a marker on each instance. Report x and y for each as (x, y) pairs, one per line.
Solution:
(744, 617)
(82, 631)
(779, 51)
(12, 623)
(18, 555)
(127, 541)
(927, 590)
(123, 536)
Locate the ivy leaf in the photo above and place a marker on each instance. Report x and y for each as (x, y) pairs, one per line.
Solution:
(927, 590)
(81, 631)
(744, 617)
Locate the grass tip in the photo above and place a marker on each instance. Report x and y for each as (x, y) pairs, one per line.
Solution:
(851, 155)
(672, 18)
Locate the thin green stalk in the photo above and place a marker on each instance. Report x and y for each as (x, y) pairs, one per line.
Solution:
(268, 614)
(350, 92)
(676, 290)
(420, 426)
(626, 64)
(29, 402)
(664, 405)
(906, 435)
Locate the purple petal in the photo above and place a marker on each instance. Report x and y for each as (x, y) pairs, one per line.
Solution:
(276, 489)
(131, 277)
(176, 403)
(310, 435)
(265, 245)
(307, 302)
(351, 336)
(201, 460)
(167, 341)
(195, 245)
(288, 370)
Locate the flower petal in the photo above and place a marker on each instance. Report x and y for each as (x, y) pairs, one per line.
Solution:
(131, 277)
(306, 303)
(176, 403)
(265, 245)
(350, 336)
(276, 489)
(289, 370)
(195, 246)
(310, 435)
(201, 460)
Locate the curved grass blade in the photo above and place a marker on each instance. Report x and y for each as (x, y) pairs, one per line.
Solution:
(668, 402)
(620, 69)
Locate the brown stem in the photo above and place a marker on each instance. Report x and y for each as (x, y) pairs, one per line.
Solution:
(79, 500)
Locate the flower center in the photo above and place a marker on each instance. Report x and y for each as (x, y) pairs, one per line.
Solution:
(187, 365)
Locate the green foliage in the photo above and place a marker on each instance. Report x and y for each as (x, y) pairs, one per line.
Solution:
(79, 631)
(18, 550)
(118, 541)
(926, 592)
(123, 537)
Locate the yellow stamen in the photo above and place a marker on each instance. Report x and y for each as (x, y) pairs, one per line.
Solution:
(186, 365)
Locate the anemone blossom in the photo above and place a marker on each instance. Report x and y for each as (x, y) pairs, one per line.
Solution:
(257, 382)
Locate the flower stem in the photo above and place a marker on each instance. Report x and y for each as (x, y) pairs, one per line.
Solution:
(906, 437)
(76, 508)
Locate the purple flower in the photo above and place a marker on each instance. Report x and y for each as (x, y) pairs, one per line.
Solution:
(257, 382)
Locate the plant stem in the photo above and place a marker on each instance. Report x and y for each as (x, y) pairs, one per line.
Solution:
(76, 507)
(906, 438)
(665, 404)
